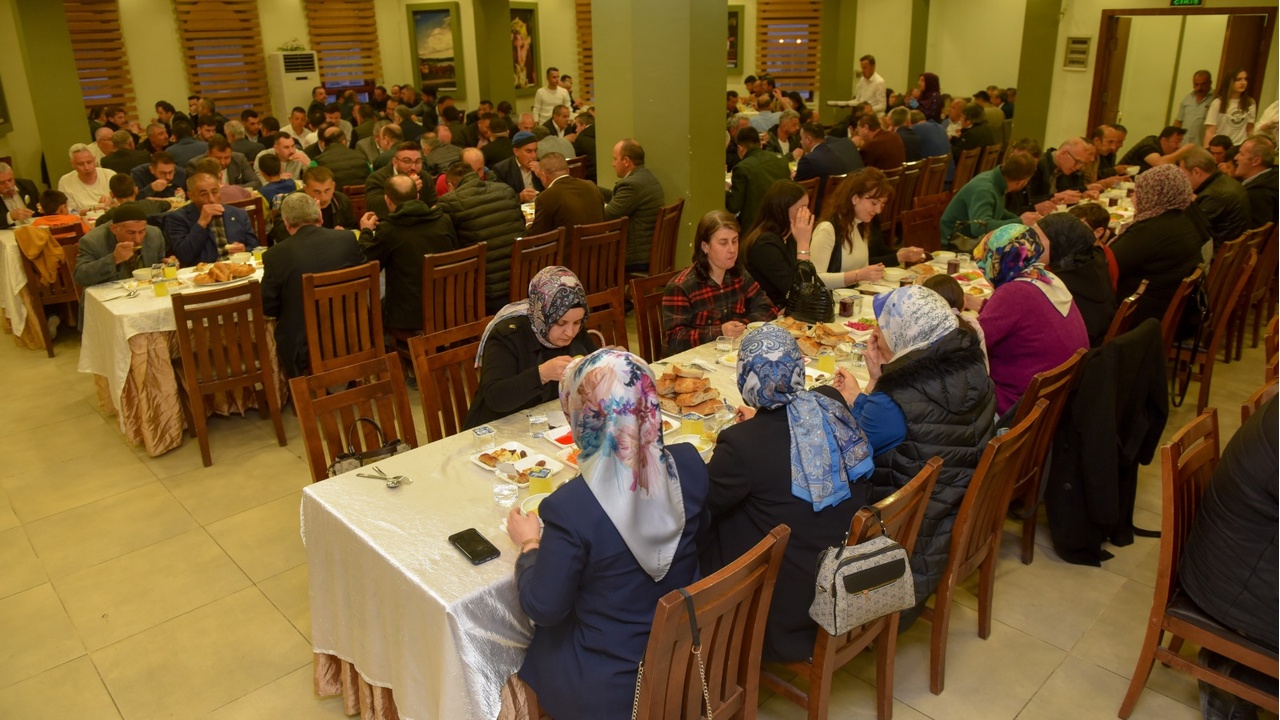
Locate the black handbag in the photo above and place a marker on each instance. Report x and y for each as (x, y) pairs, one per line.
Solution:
(352, 460)
(1189, 338)
(809, 300)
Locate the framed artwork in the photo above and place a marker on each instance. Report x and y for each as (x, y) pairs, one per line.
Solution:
(525, 48)
(735, 36)
(435, 46)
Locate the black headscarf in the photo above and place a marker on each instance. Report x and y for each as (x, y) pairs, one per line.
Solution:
(1071, 241)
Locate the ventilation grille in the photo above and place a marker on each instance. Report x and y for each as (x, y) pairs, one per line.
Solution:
(1077, 56)
(299, 62)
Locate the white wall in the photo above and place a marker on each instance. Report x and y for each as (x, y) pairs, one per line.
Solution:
(150, 29)
(974, 43)
(884, 30)
(1148, 76)
(1201, 50)
(23, 143)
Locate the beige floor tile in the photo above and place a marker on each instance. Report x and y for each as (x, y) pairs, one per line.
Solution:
(124, 596)
(292, 696)
(230, 438)
(37, 634)
(70, 400)
(1139, 560)
(31, 450)
(851, 698)
(290, 593)
(263, 541)
(22, 569)
(240, 483)
(70, 690)
(77, 481)
(203, 660)
(8, 519)
(1061, 698)
(106, 529)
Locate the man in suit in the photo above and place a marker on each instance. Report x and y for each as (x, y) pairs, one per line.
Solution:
(518, 171)
(567, 201)
(309, 248)
(440, 152)
(900, 122)
(157, 139)
(206, 230)
(637, 196)
(125, 157)
(240, 141)
(499, 146)
(349, 166)
(409, 129)
(559, 124)
(584, 143)
(752, 176)
(1219, 196)
(160, 178)
(20, 198)
(820, 159)
(879, 148)
(1256, 170)
(113, 250)
(236, 169)
(185, 147)
(407, 160)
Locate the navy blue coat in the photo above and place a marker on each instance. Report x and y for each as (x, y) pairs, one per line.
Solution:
(193, 244)
(592, 602)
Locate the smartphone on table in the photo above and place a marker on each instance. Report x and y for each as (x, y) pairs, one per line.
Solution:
(474, 546)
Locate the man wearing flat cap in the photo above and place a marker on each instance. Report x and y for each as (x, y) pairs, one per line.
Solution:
(114, 250)
(520, 171)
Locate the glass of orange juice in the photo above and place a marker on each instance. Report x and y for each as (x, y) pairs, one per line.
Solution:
(690, 425)
(826, 361)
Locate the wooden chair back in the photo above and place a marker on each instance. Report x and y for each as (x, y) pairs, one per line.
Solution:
(666, 231)
(966, 167)
(938, 201)
(904, 191)
(920, 229)
(597, 254)
(63, 291)
(374, 389)
(647, 293)
(1271, 348)
(990, 158)
(453, 288)
(530, 254)
(1261, 299)
(1216, 332)
(67, 234)
(811, 187)
(1123, 318)
(932, 183)
(731, 607)
(607, 319)
(577, 166)
(1258, 399)
(910, 186)
(344, 316)
(445, 364)
(893, 172)
(975, 537)
(359, 203)
(1222, 271)
(222, 344)
(889, 215)
(1173, 314)
(1054, 387)
(257, 217)
(902, 514)
(829, 191)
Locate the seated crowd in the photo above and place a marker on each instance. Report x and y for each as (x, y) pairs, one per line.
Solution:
(946, 370)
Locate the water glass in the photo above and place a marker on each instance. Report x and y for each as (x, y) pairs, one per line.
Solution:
(724, 344)
(966, 260)
(484, 438)
(537, 425)
(857, 358)
(505, 494)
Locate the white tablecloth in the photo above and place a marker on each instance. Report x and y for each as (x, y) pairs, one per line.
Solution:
(12, 280)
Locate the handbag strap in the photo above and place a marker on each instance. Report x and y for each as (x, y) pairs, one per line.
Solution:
(382, 439)
(875, 511)
(697, 652)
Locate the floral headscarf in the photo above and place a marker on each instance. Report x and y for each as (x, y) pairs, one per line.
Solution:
(554, 291)
(1159, 190)
(611, 400)
(1013, 252)
(828, 449)
(913, 317)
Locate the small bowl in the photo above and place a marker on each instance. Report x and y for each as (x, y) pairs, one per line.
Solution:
(703, 447)
(754, 325)
(894, 274)
(943, 255)
(531, 503)
(242, 258)
(142, 275)
(1131, 170)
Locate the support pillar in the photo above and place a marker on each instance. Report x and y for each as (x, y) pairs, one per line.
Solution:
(46, 53)
(1035, 69)
(919, 42)
(493, 52)
(838, 56)
(659, 79)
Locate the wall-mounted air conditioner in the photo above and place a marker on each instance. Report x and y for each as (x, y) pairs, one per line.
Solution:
(291, 76)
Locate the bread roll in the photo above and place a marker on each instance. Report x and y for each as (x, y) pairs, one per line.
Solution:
(686, 372)
(688, 384)
(694, 398)
(706, 407)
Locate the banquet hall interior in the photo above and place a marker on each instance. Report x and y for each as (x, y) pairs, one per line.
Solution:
(141, 586)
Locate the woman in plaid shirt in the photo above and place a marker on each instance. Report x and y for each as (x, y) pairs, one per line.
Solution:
(715, 295)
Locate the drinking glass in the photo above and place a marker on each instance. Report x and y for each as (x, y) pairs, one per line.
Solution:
(826, 361)
(537, 425)
(724, 344)
(484, 438)
(692, 426)
(505, 494)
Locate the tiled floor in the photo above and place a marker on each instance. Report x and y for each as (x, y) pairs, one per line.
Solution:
(136, 587)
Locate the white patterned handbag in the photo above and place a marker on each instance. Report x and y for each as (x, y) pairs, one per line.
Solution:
(857, 584)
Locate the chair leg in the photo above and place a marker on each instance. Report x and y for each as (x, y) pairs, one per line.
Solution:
(200, 422)
(1175, 644)
(886, 649)
(1206, 379)
(938, 637)
(819, 699)
(986, 589)
(273, 404)
(1257, 321)
(1146, 659)
(1029, 536)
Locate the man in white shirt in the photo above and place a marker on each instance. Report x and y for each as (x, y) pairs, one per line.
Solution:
(870, 87)
(297, 127)
(547, 98)
(1194, 107)
(87, 186)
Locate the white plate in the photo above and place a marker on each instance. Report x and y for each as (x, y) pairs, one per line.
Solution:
(564, 454)
(731, 360)
(531, 503)
(814, 376)
(561, 437)
(529, 461)
(894, 274)
(943, 255)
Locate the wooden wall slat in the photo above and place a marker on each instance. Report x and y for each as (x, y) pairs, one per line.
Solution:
(222, 53)
(344, 37)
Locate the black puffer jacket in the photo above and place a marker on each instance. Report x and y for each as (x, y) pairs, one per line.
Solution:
(950, 406)
(487, 212)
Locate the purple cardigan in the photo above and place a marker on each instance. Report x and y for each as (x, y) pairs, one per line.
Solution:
(1026, 335)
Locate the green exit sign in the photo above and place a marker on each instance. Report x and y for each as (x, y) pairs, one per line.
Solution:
(1185, 3)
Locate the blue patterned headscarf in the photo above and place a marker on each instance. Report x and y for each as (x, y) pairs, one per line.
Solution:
(828, 449)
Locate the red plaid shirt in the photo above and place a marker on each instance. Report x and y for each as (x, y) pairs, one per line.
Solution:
(694, 306)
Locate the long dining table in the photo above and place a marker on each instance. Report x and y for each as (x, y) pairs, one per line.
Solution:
(399, 618)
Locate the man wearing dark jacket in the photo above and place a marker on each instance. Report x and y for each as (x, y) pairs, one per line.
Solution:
(821, 159)
(752, 176)
(585, 142)
(487, 212)
(637, 196)
(499, 146)
(18, 198)
(125, 157)
(517, 171)
(1221, 198)
(974, 132)
(309, 248)
(879, 148)
(349, 166)
(567, 201)
(407, 160)
(398, 243)
(1256, 170)
(900, 120)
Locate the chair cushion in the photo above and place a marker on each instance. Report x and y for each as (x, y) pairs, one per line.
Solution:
(1183, 608)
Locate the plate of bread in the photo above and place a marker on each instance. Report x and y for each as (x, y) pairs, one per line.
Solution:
(683, 390)
(221, 273)
(812, 338)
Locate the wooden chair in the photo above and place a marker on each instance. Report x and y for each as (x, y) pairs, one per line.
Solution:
(933, 182)
(1173, 313)
(577, 166)
(889, 215)
(378, 393)
(62, 292)
(966, 165)
(257, 216)
(647, 293)
(343, 315)
(1201, 366)
(1235, 326)
(935, 200)
(359, 204)
(67, 234)
(453, 288)
(902, 512)
(1271, 345)
(990, 158)
(828, 191)
(893, 172)
(607, 318)
(903, 195)
(666, 231)
(811, 188)
(530, 254)
(975, 537)
(1263, 299)
(597, 254)
(920, 229)
(1258, 399)
(445, 364)
(222, 346)
(1054, 388)
(1123, 318)
(1187, 463)
(1257, 292)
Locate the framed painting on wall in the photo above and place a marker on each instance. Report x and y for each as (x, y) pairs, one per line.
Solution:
(734, 42)
(525, 48)
(435, 46)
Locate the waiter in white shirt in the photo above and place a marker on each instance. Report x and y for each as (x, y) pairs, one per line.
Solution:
(870, 86)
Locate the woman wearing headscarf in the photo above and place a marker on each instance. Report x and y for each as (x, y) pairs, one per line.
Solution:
(1163, 244)
(1030, 322)
(800, 460)
(617, 538)
(1080, 263)
(927, 97)
(929, 394)
(525, 349)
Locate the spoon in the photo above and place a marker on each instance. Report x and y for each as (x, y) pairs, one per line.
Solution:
(131, 293)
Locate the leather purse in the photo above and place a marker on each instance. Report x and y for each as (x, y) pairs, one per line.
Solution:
(352, 460)
(809, 300)
(858, 584)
